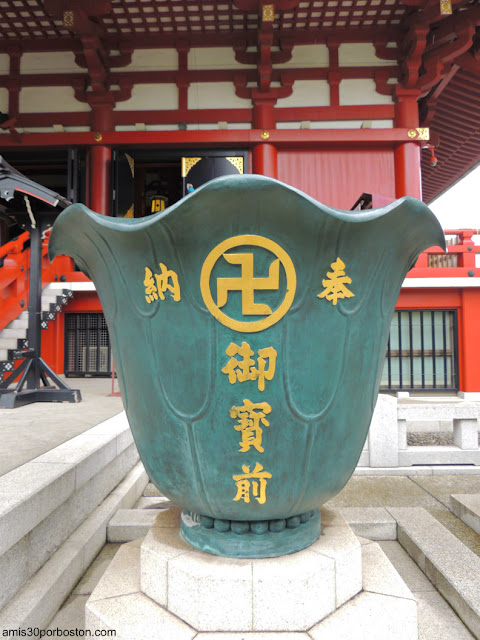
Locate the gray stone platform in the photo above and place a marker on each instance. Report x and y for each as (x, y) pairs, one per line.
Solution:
(333, 589)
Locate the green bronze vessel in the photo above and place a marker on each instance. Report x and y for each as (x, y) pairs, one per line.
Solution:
(249, 325)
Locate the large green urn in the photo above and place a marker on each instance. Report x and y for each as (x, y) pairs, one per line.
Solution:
(249, 325)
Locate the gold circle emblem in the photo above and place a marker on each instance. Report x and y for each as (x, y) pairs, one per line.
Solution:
(247, 284)
(265, 135)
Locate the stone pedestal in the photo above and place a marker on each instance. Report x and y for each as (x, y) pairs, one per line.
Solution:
(160, 588)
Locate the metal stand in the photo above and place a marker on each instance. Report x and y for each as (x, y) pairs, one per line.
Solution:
(33, 385)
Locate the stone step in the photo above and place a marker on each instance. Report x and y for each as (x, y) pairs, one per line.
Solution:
(36, 603)
(8, 343)
(20, 323)
(3, 354)
(47, 302)
(130, 524)
(451, 567)
(17, 333)
(374, 523)
(467, 507)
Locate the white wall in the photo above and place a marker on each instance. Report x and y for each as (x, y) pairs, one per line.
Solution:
(307, 93)
(152, 60)
(361, 91)
(215, 58)
(147, 97)
(51, 99)
(59, 62)
(215, 95)
(308, 55)
(360, 54)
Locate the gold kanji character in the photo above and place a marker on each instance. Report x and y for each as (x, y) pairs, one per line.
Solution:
(150, 288)
(335, 284)
(242, 370)
(254, 482)
(239, 369)
(155, 287)
(163, 283)
(250, 416)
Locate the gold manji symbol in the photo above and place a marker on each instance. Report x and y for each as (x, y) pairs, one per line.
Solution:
(247, 284)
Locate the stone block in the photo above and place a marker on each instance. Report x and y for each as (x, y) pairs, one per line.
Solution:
(96, 570)
(233, 599)
(88, 453)
(39, 600)
(129, 524)
(467, 508)
(456, 470)
(132, 486)
(13, 570)
(380, 576)
(438, 411)
(198, 582)
(113, 426)
(292, 592)
(472, 396)
(448, 564)
(161, 544)
(395, 471)
(54, 530)
(374, 523)
(402, 433)
(28, 495)
(71, 616)
(153, 503)
(383, 433)
(370, 616)
(339, 543)
(135, 616)
(151, 491)
(122, 576)
(435, 616)
(465, 433)
(408, 570)
(123, 440)
(253, 636)
(438, 455)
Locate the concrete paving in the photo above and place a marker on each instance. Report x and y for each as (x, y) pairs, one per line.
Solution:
(430, 492)
(28, 432)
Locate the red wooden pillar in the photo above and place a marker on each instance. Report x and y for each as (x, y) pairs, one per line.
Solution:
(265, 153)
(469, 341)
(407, 155)
(99, 158)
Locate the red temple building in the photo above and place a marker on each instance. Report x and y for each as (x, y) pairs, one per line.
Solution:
(122, 104)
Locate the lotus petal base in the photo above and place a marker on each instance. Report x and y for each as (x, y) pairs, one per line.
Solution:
(256, 539)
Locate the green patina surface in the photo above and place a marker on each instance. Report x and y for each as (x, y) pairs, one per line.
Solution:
(249, 325)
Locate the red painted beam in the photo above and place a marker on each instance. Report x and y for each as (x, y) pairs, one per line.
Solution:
(169, 41)
(192, 116)
(301, 138)
(200, 75)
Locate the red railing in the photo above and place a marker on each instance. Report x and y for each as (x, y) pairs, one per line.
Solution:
(15, 271)
(459, 261)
